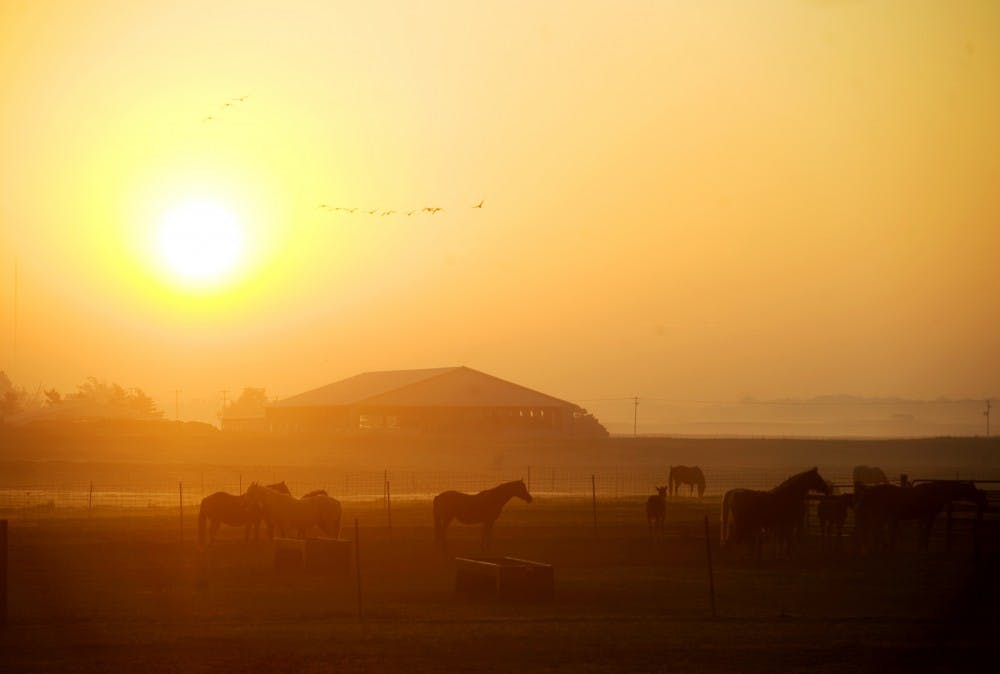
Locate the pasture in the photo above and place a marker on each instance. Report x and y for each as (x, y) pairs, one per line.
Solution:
(123, 593)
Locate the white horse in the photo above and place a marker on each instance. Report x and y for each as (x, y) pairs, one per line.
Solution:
(288, 514)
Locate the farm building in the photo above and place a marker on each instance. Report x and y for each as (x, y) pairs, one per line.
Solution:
(439, 400)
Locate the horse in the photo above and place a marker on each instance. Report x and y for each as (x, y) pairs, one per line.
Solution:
(778, 511)
(886, 505)
(832, 513)
(483, 507)
(223, 508)
(288, 513)
(867, 475)
(656, 510)
(316, 492)
(689, 475)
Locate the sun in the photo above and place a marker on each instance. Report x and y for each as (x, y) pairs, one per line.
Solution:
(200, 242)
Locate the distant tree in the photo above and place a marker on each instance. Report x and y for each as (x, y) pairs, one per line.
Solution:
(10, 397)
(249, 405)
(116, 397)
(586, 424)
(52, 396)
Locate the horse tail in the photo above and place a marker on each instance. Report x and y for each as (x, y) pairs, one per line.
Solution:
(337, 513)
(701, 482)
(202, 516)
(723, 528)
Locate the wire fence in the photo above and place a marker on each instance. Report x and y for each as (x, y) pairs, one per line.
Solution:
(154, 492)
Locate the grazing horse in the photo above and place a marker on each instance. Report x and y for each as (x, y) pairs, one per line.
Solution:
(778, 511)
(867, 475)
(656, 510)
(832, 513)
(483, 507)
(222, 508)
(689, 475)
(886, 505)
(287, 513)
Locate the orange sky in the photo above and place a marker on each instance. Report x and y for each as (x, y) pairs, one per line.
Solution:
(688, 200)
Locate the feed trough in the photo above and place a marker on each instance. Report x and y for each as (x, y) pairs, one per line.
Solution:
(504, 578)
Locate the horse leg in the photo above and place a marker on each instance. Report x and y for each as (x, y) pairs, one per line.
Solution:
(212, 529)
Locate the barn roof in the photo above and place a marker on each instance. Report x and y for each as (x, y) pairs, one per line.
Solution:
(436, 387)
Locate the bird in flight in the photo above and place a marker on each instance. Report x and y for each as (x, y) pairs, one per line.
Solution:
(411, 212)
(433, 209)
(388, 212)
(480, 204)
(208, 119)
(372, 212)
(241, 98)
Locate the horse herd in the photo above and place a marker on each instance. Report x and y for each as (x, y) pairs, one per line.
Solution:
(749, 517)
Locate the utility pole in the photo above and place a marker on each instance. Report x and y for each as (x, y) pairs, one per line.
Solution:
(15, 307)
(177, 405)
(987, 415)
(635, 417)
(225, 397)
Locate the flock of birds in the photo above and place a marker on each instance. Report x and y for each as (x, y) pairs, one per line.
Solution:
(433, 210)
(384, 212)
(228, 105)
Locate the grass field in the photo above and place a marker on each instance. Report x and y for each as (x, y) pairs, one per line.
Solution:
(117, 593)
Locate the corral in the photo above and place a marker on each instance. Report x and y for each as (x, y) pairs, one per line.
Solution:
(111, 592)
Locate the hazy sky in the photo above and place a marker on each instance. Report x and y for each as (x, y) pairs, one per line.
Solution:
(683, 199)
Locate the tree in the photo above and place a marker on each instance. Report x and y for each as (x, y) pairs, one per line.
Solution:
(250, 404)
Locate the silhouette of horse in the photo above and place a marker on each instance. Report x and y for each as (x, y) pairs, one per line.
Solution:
(287, 513)
(832, 513)
(884, 506)
(483, 507)
(223, 508)
(778, 511)
(690, 475)
(869, 475)
(656, 510)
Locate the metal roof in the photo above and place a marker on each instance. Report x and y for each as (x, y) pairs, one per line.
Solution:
(436, 387)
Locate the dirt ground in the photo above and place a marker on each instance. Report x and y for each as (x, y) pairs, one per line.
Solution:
(123, 592)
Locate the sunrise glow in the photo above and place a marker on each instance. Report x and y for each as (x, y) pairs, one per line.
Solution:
(200, 243)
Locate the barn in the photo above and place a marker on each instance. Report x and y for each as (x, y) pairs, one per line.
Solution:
(437, 400)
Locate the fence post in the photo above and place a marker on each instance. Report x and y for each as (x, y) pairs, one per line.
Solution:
(3, 573)
(593, 497)
(388, 505)
(180, 502)
(711, 575)
(357, 565)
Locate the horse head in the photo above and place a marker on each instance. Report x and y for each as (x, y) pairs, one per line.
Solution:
(521, 491)
(814, 482)
(661, 491)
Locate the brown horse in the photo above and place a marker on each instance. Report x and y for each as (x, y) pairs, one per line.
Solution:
(656, 510)
(482, 508)
(884, 506)
(748, 514)
(832, 513)
(689, 475)
(289, 514)
(222, 508)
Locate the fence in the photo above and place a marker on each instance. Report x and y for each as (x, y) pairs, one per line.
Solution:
(154, 490)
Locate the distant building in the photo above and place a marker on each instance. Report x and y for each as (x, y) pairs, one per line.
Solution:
(440, 400)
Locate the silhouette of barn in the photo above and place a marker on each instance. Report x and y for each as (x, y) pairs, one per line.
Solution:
(439, 400)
